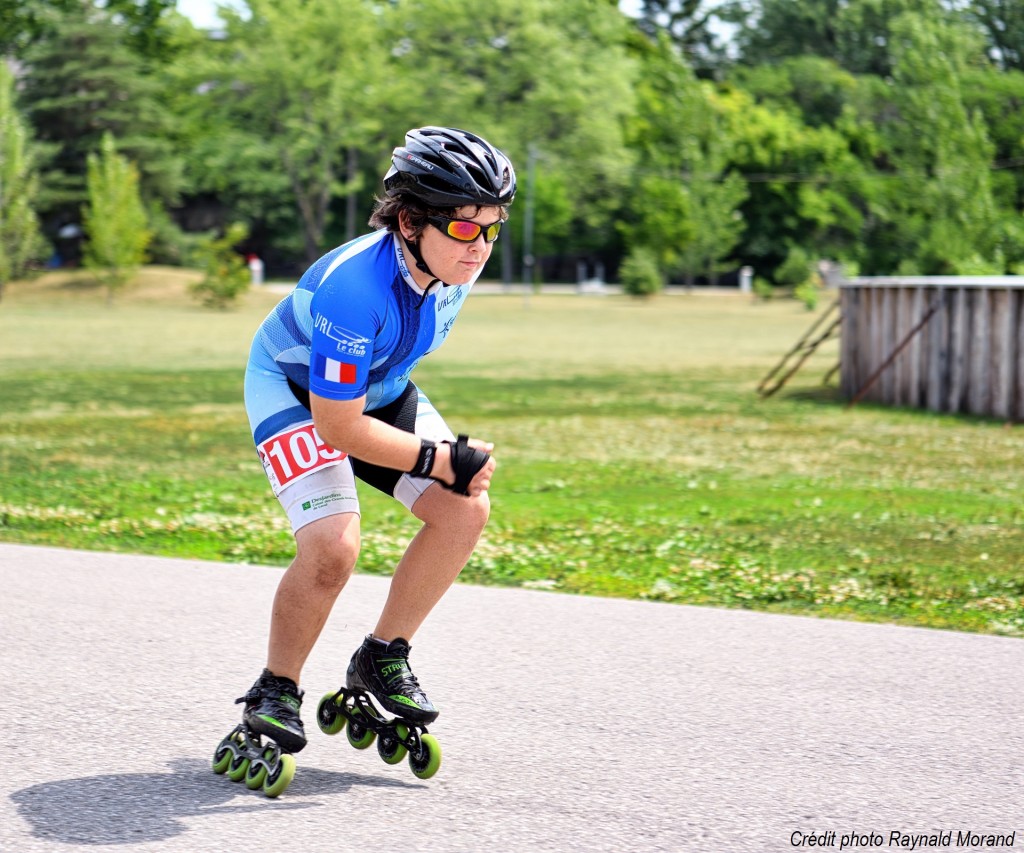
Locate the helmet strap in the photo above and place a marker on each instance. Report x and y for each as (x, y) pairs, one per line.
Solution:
(421, 265)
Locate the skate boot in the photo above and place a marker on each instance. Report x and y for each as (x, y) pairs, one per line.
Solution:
(381, 671)
(271, 710)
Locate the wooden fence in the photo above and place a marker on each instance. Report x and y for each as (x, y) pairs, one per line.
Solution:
(945, 343)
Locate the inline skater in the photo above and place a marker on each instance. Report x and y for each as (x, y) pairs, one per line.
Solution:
(329, 399)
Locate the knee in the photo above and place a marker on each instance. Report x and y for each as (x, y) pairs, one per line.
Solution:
(477, 513)
(335, 565)
(467, 515)
(333, 554)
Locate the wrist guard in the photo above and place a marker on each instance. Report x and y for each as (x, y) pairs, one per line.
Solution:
(425, 462)
(466, 462)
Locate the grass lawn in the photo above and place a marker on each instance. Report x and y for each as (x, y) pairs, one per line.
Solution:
(635, 458)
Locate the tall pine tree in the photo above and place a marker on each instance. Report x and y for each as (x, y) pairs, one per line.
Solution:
(19, 228)
(81, 80)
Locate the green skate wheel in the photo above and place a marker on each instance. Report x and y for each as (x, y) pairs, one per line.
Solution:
(256, 775)
(427, 761)
(328, 717)
(390, 747)
(280, 778)
(222, 757)
(359, 735)
(239, 767)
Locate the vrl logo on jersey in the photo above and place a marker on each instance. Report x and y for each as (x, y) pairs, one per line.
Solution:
(339, 372)
(453, 296)
(349, 342)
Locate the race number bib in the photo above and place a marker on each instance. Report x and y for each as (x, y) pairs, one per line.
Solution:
(294, 453)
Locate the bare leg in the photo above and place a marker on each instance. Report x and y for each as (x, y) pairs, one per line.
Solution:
(452, 525)
(326, 555)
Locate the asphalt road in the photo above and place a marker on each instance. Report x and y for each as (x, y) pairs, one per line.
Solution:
(567, 724)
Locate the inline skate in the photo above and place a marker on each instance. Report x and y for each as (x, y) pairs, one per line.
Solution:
(380, 671)
(271, 711)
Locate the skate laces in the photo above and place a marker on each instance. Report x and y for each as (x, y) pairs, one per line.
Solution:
(393, 669)
(277, 690)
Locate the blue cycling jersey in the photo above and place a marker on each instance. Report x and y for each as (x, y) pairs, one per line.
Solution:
(356, 324)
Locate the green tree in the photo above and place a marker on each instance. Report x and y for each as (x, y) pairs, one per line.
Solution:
(939, 211)
(804, 183)
(20, 240)
(662, 220)
(22, 22)
(998, 96)
(115, 219)
(856, 34)
(554, 74)
(80, 81)
(1002, 21)
(641, 272)
(148, 24)
(301, 81)
(226, 275)
(690, 24)
(687, 204)
(770, 30)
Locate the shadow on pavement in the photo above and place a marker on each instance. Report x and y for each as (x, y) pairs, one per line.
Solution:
(137, 807)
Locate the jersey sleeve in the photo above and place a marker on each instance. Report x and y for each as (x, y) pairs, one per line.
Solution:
(346, 320)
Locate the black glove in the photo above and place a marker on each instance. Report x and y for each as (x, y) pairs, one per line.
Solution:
(466, 462)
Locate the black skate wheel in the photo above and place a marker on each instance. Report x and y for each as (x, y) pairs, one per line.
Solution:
(239, 767)
(359, 735)
(222, 757)
(255, 775)
(280, 777)
(426, 761)
(328, 717)
(389, 745)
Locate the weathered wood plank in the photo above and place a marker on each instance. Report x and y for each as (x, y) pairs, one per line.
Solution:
(958, 352)
(887, 392)
(878, 333)
(918, 305)
(849, 304)
(1001, 354)
(937, 354)
(1019, 360)
(979, 359)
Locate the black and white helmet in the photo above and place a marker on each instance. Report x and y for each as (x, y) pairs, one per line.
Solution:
(447, 167)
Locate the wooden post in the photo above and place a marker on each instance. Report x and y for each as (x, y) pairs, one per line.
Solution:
(1019, 360)
(848, 302)
(958, 357)
(1002, 353)
(887, 328)
(917, 309)
(977, 390)
(936, 357)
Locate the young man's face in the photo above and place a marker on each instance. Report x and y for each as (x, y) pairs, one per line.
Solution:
(454, 261)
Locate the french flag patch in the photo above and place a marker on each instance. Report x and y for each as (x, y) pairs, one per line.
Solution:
(339, 372)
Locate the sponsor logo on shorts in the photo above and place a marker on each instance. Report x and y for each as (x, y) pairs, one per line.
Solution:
(317, 504)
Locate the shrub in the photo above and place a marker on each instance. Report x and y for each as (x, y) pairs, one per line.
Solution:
(796, 270)
(227, 276)
(809, 292)
(640, 273)
(114, 218)
(763, 288)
